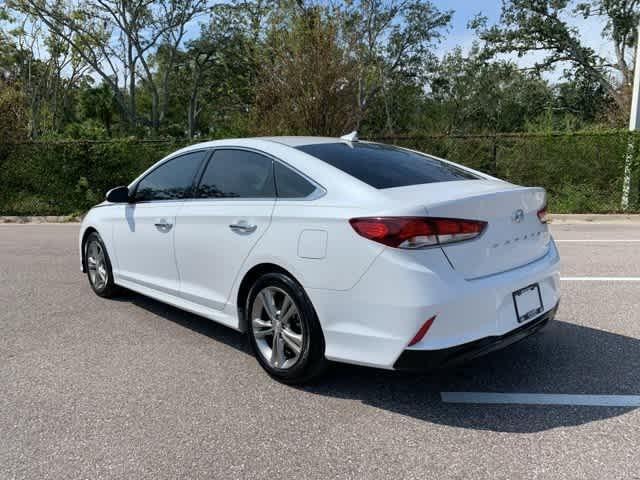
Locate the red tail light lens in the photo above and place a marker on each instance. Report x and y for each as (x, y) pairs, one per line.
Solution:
(542, 215)
(416, 232)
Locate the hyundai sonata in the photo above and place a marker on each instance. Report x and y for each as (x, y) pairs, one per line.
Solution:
(327, 249)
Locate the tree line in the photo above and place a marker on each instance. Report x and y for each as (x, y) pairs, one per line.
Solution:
(203, 68)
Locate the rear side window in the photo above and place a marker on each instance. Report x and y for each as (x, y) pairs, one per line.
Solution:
(237, 174)
(289, 184)
(384, 166)
(172, 180)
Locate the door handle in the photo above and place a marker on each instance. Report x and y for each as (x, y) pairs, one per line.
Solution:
(163, 225)
(243, 227)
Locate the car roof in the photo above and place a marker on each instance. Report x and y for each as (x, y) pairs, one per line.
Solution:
(287, 141)
(293, 141)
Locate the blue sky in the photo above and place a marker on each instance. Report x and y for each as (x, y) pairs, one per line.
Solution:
(464, 10)
(589, 29)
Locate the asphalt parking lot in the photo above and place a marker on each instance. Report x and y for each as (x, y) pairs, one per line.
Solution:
(131, 388)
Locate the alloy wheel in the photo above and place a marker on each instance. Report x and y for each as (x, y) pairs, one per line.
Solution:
(97, 265)
(277, 327)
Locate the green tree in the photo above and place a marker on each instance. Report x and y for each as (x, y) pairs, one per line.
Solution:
(307, 81)
(13, 115)
(543, 26)
(390, 41)
(118, 39)
(219, 64)
(470, 94)
(585, 99)
(98, 103)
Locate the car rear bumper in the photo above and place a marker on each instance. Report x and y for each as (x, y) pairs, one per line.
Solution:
(424, 360)
(374, 322)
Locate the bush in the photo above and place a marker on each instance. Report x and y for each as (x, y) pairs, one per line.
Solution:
(581, 172)
(59, 178)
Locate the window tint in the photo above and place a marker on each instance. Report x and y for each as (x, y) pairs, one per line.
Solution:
(237, 173)
(172, 180)
(290, 184)
(383, 166)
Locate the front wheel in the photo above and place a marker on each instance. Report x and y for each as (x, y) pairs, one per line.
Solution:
(284, 330)
(98, 267)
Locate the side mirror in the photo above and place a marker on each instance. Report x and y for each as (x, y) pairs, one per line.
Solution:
(118, 195)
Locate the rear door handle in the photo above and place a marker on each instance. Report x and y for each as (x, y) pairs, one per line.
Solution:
(163, 225)
(243, 227)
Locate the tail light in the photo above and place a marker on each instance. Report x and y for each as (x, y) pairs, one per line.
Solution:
(416, 232)
(542, 215)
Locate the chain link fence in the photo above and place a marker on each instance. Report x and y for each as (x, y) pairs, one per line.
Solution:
(583, 173)
(68, 177)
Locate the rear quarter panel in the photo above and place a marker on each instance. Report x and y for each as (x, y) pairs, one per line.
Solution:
(339, 259)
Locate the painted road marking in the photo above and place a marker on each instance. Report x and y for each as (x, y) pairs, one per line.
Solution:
(600, 279)
(541, 399)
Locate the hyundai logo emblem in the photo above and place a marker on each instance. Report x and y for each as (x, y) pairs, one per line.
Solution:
(518, 216)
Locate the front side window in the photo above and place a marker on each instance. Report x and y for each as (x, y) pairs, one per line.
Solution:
(172, 180)
(384, 166)
(237, 174)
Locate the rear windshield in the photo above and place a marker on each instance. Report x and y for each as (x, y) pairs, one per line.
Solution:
(384, 166)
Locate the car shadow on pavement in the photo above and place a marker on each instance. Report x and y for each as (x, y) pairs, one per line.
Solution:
(193, 322)
(564, 358)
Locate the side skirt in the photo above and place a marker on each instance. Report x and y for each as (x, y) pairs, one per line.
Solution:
(221, 317)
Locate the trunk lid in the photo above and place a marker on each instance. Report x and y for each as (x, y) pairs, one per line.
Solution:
(514, 235)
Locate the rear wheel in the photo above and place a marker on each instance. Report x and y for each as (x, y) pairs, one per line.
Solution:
(284, 330)
(98, 267)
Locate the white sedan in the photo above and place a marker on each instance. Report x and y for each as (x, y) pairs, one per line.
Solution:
(327, 249)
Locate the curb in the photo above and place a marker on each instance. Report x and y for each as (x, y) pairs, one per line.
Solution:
(40, 219)
(595, 218)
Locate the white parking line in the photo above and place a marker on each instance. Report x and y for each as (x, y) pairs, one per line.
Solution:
(541, 399)
(593, 240)
(600, 279)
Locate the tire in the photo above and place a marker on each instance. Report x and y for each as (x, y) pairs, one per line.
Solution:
(98, 267)
(296, 326)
